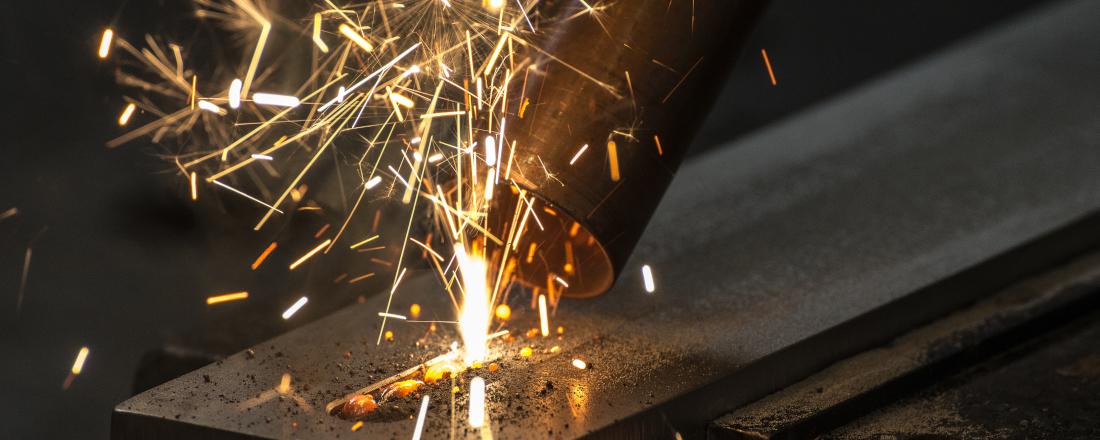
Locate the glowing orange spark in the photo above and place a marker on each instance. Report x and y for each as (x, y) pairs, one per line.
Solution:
(768, 63)
(217, 299)
(263, 255)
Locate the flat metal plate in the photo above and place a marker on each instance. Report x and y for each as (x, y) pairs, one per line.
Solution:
(774, 257)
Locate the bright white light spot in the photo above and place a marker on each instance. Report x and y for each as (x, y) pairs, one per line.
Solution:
(294, 308)
(374, 181)
(580, 364)
(490, 151)
(477, 402)
(211, 107)
(647, 277)
(235, 93)
(275, 100)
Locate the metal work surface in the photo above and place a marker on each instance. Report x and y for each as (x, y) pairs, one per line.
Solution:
(1044, 390)
(870, 380)
(775, 257)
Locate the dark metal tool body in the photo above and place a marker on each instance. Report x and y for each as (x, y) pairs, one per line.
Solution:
(633, 82)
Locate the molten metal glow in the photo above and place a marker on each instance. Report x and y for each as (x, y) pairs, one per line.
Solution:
(475, 316)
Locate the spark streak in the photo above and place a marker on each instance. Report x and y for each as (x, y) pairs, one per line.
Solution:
(354, 36)
(544, 321)
(275, 100)
(768, 64)
(81, 357)
(309, 254)
(647, 277)
(420, 418)
(105, 43)
(295, 307)
(218, 299)
(126, 114)
(477, 402)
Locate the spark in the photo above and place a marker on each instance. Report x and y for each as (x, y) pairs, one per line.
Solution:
(682, 79)
(354, 36)
(295, 307)
(360, 278)
(580, 364)
(263, 255)
(441, 114)
(768, 64)
(126, 113)
(275, 100)
(490, 151)
(81, 357)
(393, 315)
(211, 107)
(235, 93)
(355, 427)
(317, 33)
(373, 182)
(420, 418)
(245, 195)
(265, 30)
(613, 155)
(474, 317)
(544, 322)
(309, 254)
(262, 157)
(578, 155)
(364, 242)
(194, 186)
(23, 279)
(647, 277)
(218, 299)
(11, 212)
(105, 43)
(477, 402)
(657, 140)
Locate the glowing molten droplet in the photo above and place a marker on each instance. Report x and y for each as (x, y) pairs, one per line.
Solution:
(438, 372)
(401, 389)
(389, 336)
(525, 351)
(414, 311)
(580, 364)
(503, 312)
(358, 406)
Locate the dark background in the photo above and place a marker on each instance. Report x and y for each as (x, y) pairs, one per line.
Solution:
(121, 261)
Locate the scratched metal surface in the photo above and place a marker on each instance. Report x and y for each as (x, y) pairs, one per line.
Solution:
(769, 255)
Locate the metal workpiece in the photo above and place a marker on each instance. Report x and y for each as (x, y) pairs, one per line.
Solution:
(774, 257)
(630, 86)
(866, 382)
